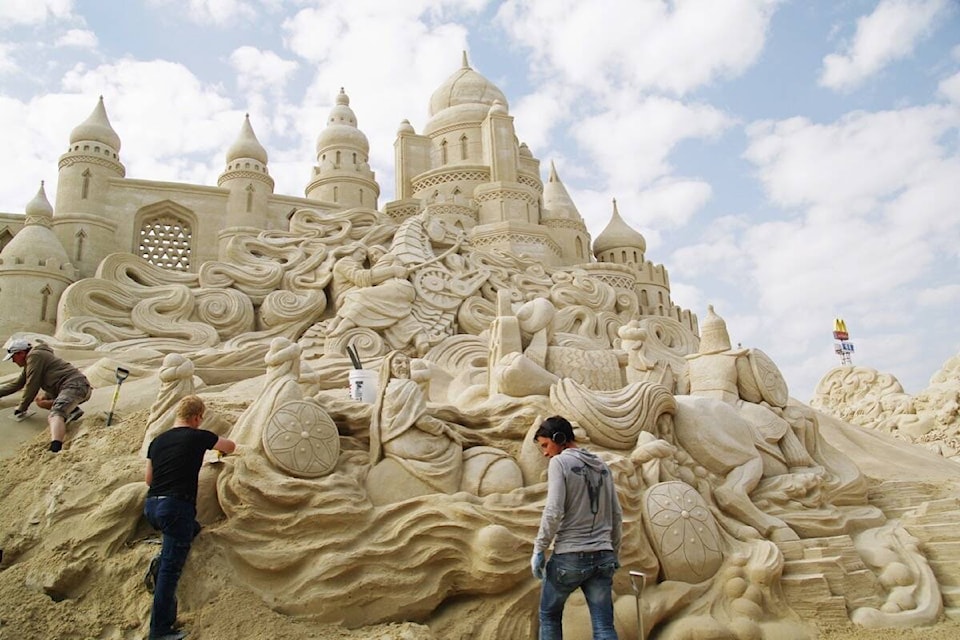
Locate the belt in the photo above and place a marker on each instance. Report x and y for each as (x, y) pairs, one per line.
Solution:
(177, 496)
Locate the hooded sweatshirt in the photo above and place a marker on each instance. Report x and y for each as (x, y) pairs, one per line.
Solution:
(43, 370)
(582, 511)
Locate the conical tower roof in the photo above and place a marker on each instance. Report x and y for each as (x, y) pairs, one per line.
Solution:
(36, 241)
(556, 199)
(247, 145)
(618, 235)
(96, 128)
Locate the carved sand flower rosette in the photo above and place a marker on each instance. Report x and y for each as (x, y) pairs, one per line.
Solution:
(682, 531)
(302, 440)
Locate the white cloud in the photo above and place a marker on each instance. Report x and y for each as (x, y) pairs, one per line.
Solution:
(847, 165)
(163, 115)
(645, 131)
(257, 69)
(7, 63)
(656, 45)
(886, 35)
(80, 38)
(217, 12)
(950, 87)
(14, 12)
(946, 296)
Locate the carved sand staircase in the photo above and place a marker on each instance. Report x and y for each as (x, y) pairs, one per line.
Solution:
(824, 578)
(931, 513)
(936, 524)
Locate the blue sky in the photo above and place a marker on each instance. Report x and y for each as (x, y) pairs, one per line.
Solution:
(787, 162)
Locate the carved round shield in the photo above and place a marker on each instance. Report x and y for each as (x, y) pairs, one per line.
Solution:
(682, 531)
(301, 439)
(773, 388)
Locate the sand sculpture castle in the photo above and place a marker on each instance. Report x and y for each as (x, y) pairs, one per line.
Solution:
(477, 305)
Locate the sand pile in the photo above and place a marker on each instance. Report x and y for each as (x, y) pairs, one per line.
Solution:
(71, 571)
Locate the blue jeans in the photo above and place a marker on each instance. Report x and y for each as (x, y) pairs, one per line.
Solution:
(176, 519)
(591, 571)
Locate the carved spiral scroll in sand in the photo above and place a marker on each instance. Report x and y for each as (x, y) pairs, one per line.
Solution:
(302, 440)
(682, 531)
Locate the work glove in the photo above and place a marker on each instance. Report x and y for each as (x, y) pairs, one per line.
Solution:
(537, 563)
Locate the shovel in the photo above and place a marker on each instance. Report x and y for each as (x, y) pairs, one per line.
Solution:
(637, 592)
(122, 375)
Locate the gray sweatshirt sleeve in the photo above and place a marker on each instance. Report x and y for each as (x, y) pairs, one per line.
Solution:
(554, 509)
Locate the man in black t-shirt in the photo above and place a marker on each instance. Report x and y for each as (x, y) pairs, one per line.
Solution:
(173, 464)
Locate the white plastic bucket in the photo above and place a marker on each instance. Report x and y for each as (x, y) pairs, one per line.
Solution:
(363, 385)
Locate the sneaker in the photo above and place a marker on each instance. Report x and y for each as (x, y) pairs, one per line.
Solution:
(150, 578)
(75, 415)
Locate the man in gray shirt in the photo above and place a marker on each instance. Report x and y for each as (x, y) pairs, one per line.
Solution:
(583, 520)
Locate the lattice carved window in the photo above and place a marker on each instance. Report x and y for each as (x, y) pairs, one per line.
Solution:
(165, 241)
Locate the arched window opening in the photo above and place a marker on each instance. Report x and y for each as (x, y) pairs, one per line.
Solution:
(250, 191)
(336, 194)
(463, 147)
(443, 152)
(337, 163)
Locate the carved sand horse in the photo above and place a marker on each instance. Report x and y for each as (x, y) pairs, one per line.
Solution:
(717, 437)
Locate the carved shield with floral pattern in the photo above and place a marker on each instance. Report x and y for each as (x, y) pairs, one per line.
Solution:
(682, 531)
(302, 440)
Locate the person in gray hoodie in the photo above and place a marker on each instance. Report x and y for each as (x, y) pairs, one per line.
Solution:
(63, 385)
(583, 520)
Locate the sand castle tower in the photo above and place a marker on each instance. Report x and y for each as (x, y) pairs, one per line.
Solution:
(561, 216)
(622, 245)
(342, 174)
(34, 271)
(83, 221)
(247, 178)
(468, 167)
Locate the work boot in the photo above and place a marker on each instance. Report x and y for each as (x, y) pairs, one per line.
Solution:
(150, 578)
(76, 414)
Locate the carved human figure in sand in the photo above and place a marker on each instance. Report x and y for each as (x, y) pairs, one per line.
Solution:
(413, 453)
(745, 378)
(379, 298)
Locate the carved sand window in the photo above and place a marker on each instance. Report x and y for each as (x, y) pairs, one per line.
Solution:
(463, 147)
(85, 187)
(45, 294)
(79, 237)
(165, 241)
(443, 152)
(250, 191)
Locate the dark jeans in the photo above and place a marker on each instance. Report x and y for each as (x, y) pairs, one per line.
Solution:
(591, 571)
(176, 519)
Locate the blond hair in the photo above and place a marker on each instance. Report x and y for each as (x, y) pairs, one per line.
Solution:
(189, 407)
